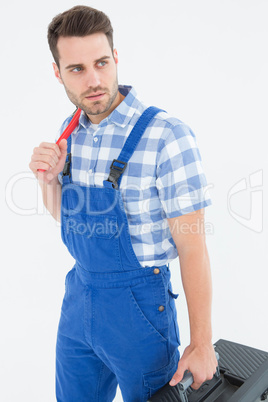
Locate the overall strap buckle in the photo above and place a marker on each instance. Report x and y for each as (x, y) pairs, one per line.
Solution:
(115, 171)
(66, 168)
(129, 147)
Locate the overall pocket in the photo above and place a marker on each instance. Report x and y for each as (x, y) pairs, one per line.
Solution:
(146, 313)
(93, 241)
(150, 301)
(155, 380)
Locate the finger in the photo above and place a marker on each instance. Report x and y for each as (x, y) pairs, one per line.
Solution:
(35, 166)
(53, 151)
(178, 376)
(63, 149)
(199, 380)
(196, 385)
(49, 159)
(63, 145)
(50, 145)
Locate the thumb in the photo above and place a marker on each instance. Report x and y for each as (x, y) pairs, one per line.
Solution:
(63, 153)
(63, 146)
(178, 375)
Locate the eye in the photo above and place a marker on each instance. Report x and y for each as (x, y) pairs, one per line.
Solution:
(102, 62)
(76, 69)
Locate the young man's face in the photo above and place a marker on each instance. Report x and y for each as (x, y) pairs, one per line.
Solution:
(87, 67)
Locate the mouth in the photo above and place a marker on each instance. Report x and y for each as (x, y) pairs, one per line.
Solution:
(96, 96)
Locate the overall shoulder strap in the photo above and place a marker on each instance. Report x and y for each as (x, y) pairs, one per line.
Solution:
(119, 165)
(69, 144)
(73, 123)
(66, 173)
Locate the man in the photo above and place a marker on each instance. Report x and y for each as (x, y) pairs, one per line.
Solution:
(123, 224)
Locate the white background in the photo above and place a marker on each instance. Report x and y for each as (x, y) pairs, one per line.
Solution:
(206, 63)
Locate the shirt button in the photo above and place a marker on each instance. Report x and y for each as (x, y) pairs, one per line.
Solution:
(95, 139)
(161, 308)
(156, 271)
(90, 171)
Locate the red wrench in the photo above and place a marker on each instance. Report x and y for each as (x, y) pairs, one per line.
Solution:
(69, 129)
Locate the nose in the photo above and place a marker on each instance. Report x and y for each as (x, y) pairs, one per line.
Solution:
(93, 79)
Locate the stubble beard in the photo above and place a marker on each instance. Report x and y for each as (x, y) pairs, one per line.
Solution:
(98, 107)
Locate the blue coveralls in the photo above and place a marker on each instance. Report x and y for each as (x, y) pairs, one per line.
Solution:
(118, 321)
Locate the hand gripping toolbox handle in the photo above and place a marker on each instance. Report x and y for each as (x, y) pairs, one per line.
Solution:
(187, 381)
(178, 392)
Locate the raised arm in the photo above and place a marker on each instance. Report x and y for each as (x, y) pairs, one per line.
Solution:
(51, 158)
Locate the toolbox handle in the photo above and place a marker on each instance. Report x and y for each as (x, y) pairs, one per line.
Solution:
(187, 381)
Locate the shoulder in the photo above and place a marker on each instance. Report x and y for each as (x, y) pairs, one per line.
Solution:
(64, 125)
(173, 132)
(174, 124)
(66, 122)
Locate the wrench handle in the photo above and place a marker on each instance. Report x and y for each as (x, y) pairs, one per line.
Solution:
(68, 130)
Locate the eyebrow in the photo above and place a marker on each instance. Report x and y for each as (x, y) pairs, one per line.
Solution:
(79, 64)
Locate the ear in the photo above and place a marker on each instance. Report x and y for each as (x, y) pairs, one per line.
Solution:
(57, 72)
(115, 56)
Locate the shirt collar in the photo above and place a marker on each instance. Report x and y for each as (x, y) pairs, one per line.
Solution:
(120, 115)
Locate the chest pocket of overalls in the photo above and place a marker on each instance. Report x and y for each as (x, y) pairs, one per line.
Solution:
(93, 240)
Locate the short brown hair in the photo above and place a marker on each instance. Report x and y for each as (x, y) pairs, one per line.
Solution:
(78, 21)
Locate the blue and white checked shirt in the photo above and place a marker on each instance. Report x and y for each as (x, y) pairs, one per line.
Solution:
(163, 178)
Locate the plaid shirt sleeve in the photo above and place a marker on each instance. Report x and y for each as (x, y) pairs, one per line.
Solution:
(181, 182)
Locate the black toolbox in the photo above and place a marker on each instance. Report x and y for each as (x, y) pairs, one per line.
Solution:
(242, 376)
